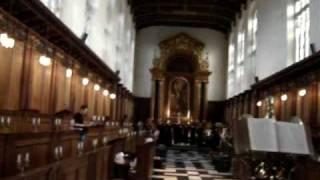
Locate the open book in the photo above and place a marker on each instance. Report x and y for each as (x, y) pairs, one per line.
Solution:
(268, 135)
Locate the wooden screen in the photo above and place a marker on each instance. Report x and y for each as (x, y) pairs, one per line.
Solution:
(77, 92)
(62, 87)
(10, 76)
(40, 84)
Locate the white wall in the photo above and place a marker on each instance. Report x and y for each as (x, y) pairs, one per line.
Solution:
(272, 37)
(275, 38)
(315, 23)
(147, 43)
(110, 29)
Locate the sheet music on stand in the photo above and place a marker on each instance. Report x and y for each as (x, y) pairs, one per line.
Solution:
(268, 135)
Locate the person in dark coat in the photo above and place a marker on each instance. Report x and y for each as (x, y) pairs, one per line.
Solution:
(79, 119)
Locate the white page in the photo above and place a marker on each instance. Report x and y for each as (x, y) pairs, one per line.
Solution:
(292, 138)
(262, 135)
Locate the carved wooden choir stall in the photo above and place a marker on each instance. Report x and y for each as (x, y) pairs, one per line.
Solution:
(46, 74)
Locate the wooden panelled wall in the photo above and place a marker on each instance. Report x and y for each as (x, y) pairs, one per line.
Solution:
(294, 91)
(303, 76)
(30, 96)
(28, 85)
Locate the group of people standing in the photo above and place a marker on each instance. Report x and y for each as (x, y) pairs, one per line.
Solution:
(202, 134)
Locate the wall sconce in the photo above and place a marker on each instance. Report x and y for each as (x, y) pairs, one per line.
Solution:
(85, 81)
(113, 96)
(105, 140)
(35, 123)
(284, 97)
(6, 41)
(259, 103)
(72, 122)
(80, 148)
(57, 123)
(96, 87)
(68, 72)
(23, 161)
(5, 122)
(44, 60)
(2, 121)
(58, 152)
(95, 144)
(106, 92)
(302, 92)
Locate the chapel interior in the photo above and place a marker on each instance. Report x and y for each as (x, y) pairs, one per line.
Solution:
(159, 90)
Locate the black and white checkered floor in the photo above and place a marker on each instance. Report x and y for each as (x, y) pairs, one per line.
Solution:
(188, 165)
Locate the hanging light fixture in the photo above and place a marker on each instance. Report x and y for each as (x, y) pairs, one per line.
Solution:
(45, 60)
(68, 72)
(105, 92)
(85, 81)
(113, 96)
(96, 87)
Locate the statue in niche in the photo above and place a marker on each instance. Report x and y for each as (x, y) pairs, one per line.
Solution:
(179, 97)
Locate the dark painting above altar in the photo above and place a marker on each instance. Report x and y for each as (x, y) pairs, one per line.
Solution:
(180, 78)
(179, 96)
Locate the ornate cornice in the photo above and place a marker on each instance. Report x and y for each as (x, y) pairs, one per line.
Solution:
(181, 42)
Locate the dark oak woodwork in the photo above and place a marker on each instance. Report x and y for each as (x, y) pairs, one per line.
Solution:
(44, 22)
(32, 95)
(217, 15)
(145, 160)
(289, 81)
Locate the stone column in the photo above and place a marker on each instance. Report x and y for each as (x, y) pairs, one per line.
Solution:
(162, 113)
(156, 107)
(153, 93)
(203, 101)
(197, 99)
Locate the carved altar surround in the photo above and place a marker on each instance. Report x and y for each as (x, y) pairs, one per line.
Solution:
(180, 43)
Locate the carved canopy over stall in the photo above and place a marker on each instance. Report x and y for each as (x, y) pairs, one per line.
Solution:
(180, 43)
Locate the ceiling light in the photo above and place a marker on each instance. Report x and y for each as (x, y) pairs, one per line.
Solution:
(44, 60)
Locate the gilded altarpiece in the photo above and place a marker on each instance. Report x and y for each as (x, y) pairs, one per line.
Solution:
(180, 77)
